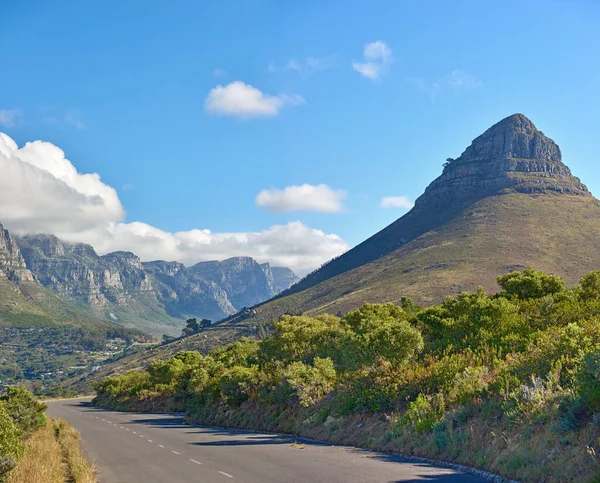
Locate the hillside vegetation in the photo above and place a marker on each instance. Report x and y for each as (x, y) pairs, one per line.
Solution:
(507, 382)
(41, 336)
(34, 448)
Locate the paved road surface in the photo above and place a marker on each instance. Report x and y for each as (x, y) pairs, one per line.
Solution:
(159, 448)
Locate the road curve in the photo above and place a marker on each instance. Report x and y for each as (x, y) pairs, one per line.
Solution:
(160, 448)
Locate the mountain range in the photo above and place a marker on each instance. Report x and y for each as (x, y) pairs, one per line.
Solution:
(152, 296)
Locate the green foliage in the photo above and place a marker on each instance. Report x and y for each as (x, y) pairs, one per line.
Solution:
(27, 413)
(424, 413)
(20, 415)
(303, 338)
(525, 356)
(529, 284)
(11, 447)
(380, 332)
(311, 383)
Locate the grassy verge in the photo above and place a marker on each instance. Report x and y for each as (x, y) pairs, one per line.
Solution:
(53, 455)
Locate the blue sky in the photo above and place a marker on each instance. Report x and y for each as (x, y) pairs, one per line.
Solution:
(129, 90)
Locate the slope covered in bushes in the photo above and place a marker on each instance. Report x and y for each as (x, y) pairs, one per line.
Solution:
(508, 382)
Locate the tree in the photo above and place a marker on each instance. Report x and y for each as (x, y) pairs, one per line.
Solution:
(192, 327)
(381, 331)
(205, 323)
(531, 284)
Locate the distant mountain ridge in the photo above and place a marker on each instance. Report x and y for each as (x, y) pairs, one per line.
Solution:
(39, 332)
(152, 296)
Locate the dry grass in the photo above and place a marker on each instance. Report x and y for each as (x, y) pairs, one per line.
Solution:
(78, 467)
(53, 455)
(42, 461)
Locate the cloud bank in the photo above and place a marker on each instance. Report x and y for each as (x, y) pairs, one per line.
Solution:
(41, 191)
(378, 57)
(244, 101)
(320, 198)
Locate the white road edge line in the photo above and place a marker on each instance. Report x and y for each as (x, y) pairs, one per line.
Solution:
(226, 474)
(173, 451)
(194, 461)
(160, 446)
(150, 441)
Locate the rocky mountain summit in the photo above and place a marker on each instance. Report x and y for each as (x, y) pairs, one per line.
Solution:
(154, 296)
(512, 156)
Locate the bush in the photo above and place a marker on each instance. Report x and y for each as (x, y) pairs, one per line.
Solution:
(424, 413)
(11, 448)
(311, 383)
(529, 283)
(27, 413)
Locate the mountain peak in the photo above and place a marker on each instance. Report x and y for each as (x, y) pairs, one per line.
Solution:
(514, 137)
(511, 155)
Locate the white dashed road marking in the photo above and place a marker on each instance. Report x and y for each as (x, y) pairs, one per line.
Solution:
(160, 445)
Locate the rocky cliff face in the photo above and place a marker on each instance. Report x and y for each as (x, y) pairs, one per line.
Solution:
(120, 287)
(78, 273)
(184, 294)
(12, 265)
(244, 280)
(283, 278)
(511, 155)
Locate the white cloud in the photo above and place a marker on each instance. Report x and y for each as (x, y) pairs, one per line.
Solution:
(42, 192)
(396, 202)
(377, 56)
(9, 117)
(455, 80)
(244, 101)
(306, 197)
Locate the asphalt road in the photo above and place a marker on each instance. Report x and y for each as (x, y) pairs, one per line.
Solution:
(160, 448)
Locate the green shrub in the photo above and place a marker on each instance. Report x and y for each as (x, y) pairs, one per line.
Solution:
(311, 383)
(424, 413)
(11, 447)
(26, 412)
(530, 284)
